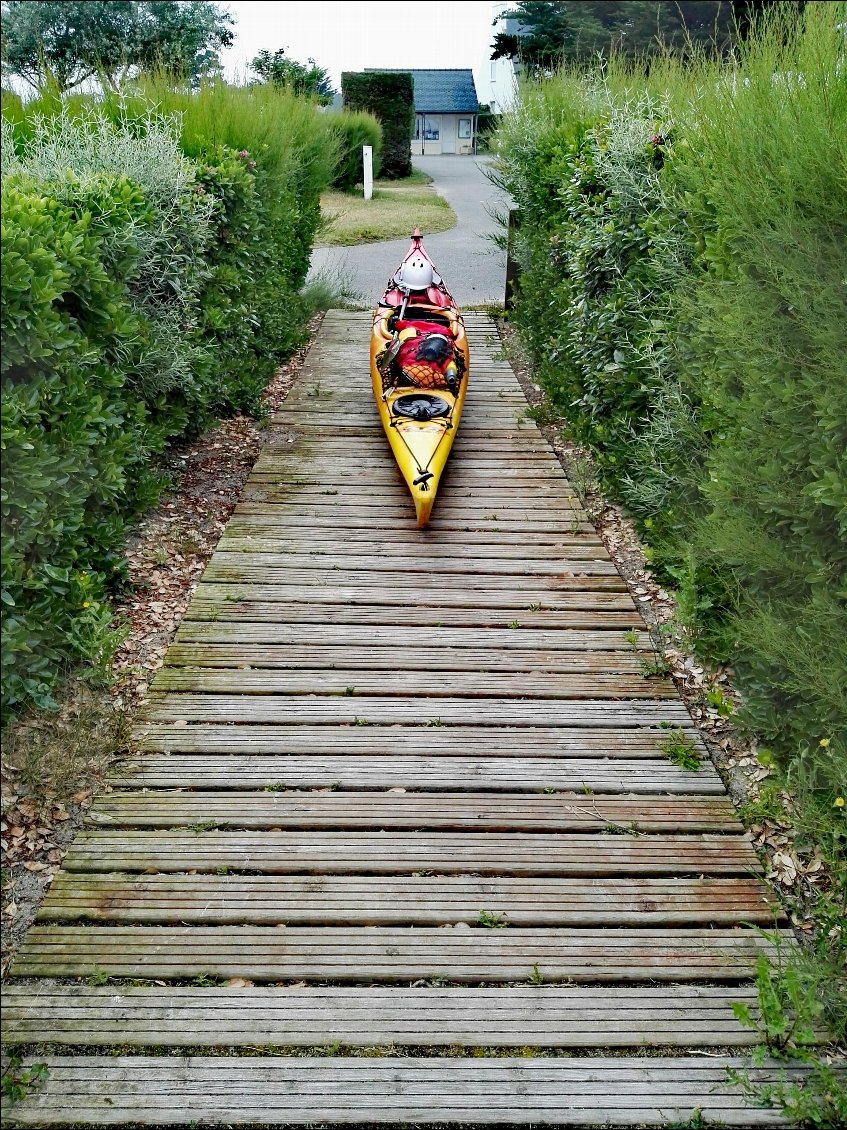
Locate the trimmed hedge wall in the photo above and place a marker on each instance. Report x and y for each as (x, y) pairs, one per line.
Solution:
(390, 97)
(143, 292)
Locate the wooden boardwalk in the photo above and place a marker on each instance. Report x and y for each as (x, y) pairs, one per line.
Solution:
(404, 790)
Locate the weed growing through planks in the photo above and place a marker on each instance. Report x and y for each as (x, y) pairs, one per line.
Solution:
(438, 980)
(791, 1008)
(631, 829)
(98, 977)
(515, 624)
(18, 1081)
(631, 638)
(819, 1100)
(361, 722)
(276, 787)
(655, 668)
(534, 608)
(695, 1122)
(550, 789)
(315, 390)
(435, 722)
(492, 921)
(204, 826)
(349, 691)
(221, 870)
(535, 977)
(681, 750)
(206, 981)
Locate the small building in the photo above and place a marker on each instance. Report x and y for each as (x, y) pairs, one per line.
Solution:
(446, 108)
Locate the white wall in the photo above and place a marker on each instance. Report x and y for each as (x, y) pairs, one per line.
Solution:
(495, 81)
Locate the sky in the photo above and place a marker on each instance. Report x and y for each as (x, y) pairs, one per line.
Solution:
(352, 34)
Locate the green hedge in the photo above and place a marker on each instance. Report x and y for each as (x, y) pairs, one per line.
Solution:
(74, 438)
(354, 130)
(390, 97)
(682, 244)
(143, 291)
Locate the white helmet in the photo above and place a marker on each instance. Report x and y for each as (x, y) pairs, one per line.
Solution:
(415, 273)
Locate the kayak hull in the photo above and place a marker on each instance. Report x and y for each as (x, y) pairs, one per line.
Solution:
(419, 370)
(420, 447)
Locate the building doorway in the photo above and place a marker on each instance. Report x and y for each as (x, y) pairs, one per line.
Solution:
(427, 139)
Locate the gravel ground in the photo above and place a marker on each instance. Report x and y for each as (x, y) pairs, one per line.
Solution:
(473, 268)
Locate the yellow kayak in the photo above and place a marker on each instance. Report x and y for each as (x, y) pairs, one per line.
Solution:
(419, 369)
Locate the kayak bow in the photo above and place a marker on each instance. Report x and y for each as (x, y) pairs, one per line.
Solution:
(419, 369)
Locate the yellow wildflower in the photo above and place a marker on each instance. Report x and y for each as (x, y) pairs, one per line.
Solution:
(86, 604)
(839, 802)
(824, 742)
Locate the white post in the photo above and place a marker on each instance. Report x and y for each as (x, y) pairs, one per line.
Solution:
(368, 161)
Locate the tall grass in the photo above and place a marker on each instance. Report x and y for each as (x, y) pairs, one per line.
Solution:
(729, 445)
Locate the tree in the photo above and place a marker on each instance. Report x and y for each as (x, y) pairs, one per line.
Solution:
(59, 44)
(550, 32)
(312, 80)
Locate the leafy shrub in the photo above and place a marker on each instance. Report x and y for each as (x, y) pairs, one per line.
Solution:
(682, 244)
(265, 228)
(75, 439)
(390, 97)
(170, 249)
(152, 262)
(355, 129)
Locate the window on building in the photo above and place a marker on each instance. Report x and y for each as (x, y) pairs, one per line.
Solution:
(464, 129)
(432, 129)
(493, 70)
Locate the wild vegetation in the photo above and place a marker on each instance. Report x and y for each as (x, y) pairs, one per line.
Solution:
(682, 243)
(154, 245)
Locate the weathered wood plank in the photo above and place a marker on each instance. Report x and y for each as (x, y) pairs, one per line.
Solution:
(436, 811)
(352, 639)
(429, 594)
(402, 655)
(461, 774)
(409, 535)
(233, 553)
(396, 853)
(462, 954)
(489, 557)
(468, 743)
(413, 581)
(419, 681)
(339, 710)
(418, 900)
(246, 610)
(273, 1091)
(506, 1016)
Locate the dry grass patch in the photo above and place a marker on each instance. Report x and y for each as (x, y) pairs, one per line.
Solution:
(395, 209)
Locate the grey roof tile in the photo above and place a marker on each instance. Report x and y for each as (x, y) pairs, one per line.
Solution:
(440, 91)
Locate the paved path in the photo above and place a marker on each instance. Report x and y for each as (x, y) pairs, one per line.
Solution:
(403, 788)
(473, 266)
